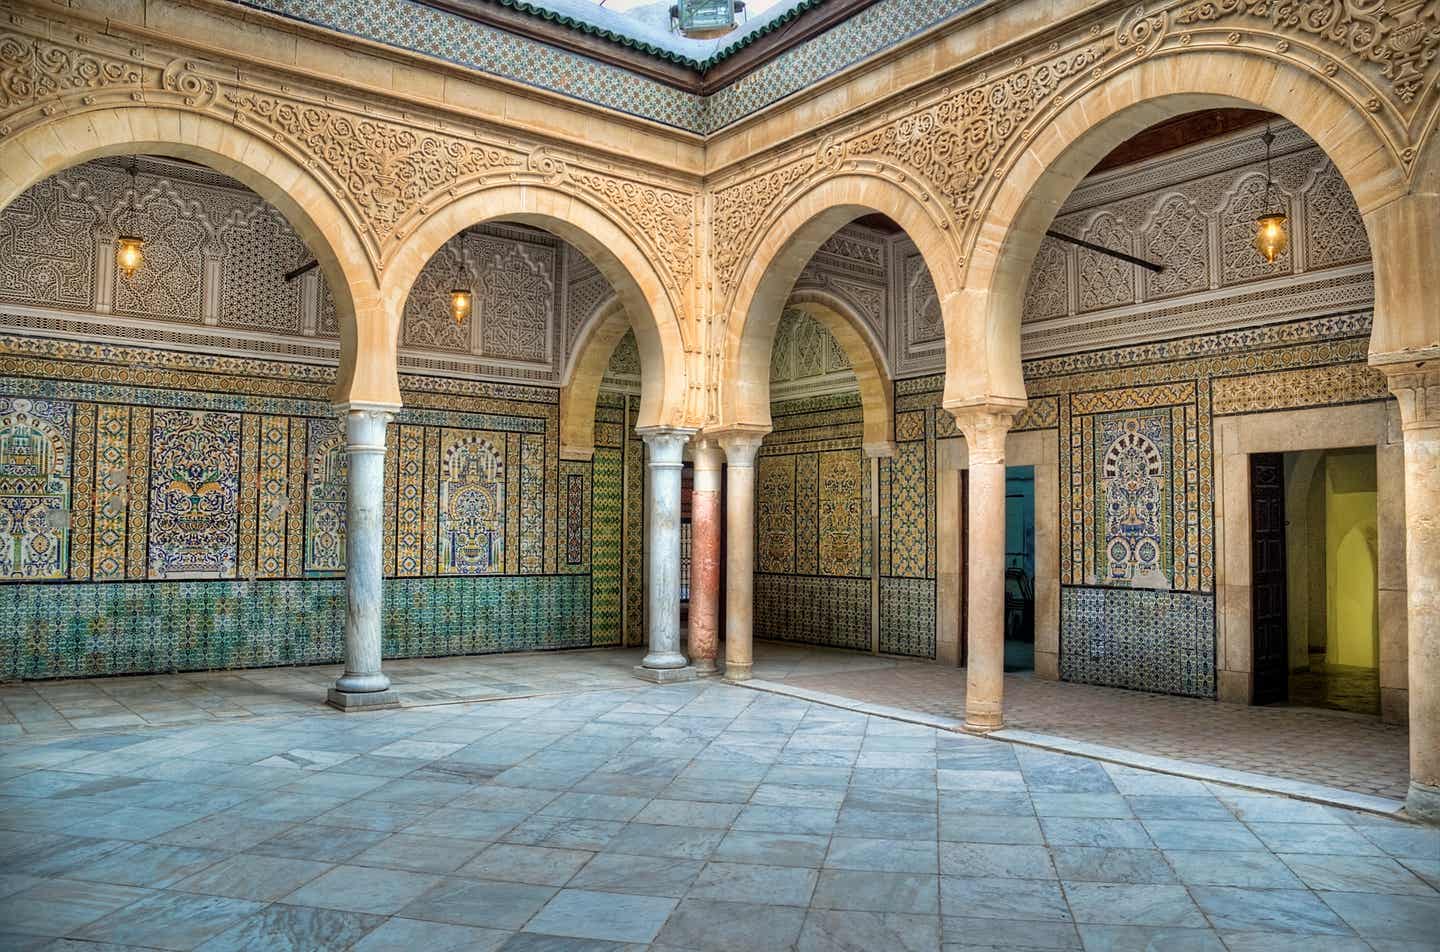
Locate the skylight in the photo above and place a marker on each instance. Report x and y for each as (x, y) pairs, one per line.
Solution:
(645, 24)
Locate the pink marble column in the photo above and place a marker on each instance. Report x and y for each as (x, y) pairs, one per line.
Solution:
(704, 634)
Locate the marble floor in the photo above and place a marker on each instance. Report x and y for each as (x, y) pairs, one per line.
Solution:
(696, 816)
(1350, 751)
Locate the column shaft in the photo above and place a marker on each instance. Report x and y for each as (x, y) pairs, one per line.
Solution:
(665, 448)
(363, 684)
(705, 516)
(740, 450)
(1418, 392)
(985, 430)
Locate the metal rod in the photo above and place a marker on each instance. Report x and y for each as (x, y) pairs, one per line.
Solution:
(1147, 265)
(307, 266)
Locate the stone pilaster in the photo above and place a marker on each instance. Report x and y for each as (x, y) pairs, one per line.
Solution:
(705, 516)
(740, 449)
(985, 428)
(665, 448)
(363, 685)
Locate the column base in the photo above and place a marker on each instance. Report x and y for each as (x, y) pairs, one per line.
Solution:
(738, 672)
(352, 701)
(705, 668)
(664, 675)
(983, 723)
(1423, 803)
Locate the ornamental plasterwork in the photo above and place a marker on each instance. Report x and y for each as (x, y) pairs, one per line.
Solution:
(953, 146)
(387, 169)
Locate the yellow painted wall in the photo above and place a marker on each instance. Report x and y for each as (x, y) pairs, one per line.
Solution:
(1352, 615)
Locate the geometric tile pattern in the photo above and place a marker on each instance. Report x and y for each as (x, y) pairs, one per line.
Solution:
(226, 503)
(416, 26)
(113, 628)
(1138, 638)
(815, 610)
(907, 616)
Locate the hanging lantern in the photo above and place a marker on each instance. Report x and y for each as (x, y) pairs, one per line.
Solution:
(129, 254)
(130, 249)
(1271, 238)
(461, 302)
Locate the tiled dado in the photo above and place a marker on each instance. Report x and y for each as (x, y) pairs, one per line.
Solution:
(97, 628)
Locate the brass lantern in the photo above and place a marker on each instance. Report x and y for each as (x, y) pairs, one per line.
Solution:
(130, 249)
(1271, 236)
(129, 254)
(461, 303)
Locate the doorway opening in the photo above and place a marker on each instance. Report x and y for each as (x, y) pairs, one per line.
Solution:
(1020, 568)
(1316, 579)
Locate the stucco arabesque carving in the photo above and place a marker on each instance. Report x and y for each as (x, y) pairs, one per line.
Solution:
(386, 171)
(955, 145)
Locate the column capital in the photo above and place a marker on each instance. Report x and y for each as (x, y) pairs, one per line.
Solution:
(666, 443)
(985, 426)
(365, 425)
(741, 441)
(709, 454)
(1414, 379)
(882, 449)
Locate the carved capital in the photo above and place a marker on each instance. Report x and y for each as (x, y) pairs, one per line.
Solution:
(1416, 386)
(985, 428)
(741, 443)
(665, 445)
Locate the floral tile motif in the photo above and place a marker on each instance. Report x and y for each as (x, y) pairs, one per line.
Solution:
(223, 512)
(35, 452)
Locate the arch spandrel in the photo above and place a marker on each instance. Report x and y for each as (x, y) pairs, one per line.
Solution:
(641, 286)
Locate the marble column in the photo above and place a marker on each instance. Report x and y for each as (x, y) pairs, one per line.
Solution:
(740, 450)
(705, 557)
(665, 448)
(1416, 385)
(363, 686)
(985, 429)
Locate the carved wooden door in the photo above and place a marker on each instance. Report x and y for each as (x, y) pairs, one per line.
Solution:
(1267, 585)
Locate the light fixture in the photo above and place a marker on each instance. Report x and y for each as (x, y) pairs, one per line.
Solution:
(461, 301)
(130, 249)
(1271, 238)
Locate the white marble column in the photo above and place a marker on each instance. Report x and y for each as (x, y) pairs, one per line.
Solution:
(985, 429)
(740, 449)
(363, 686)
(665, 447)
(1416, 385)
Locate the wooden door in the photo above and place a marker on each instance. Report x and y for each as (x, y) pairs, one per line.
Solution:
(1271, 656)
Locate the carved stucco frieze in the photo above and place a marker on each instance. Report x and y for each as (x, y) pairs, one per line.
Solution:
(387, 172)
(956, 144)
(1400, 38)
